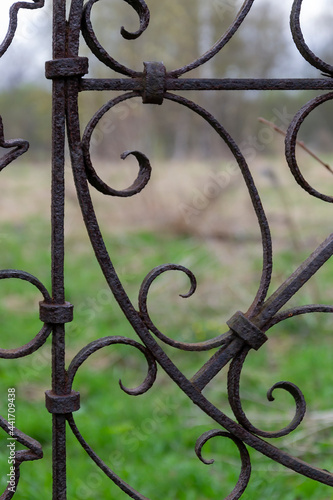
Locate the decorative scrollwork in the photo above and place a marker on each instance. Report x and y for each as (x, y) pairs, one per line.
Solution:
(245, 473)
(96, 345)
(291, 141)
(34, 452)
(41, 337)
(37, 4)
(145, 168)
(152, 85)
(261, 310)
(226, 37)
(20, 145)
(143, 12)
(79, 359)
(296, 311)
(236, 405)
(131, 492)
(253, 192)
(143, 296)
(97, 49)
(300, 43)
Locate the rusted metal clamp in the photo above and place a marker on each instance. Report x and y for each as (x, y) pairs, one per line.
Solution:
(61, 404)
(247, 330)
(67, 67)
(153, 83)
(56, 313)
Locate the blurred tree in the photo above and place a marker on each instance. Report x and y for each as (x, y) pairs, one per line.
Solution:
(26, 113)
(178, 33)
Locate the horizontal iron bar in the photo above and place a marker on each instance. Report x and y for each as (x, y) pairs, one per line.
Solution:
(136, 84)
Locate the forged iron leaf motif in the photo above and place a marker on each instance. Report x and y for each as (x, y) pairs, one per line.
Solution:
(20, 145)
(34, 449)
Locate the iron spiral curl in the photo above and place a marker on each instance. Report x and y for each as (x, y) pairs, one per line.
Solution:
(91, 39)
(236, 405)
(79, 359)
(263, 312)
(18, 147)
(143, 308)
(245, 473)
(96, 345)
(144, 165)
(45, 331)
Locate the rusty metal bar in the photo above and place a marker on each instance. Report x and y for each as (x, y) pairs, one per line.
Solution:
(57, 215)
(179, 84)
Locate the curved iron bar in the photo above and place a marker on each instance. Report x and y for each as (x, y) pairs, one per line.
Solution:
(254, 195)
(20, 145)
(97, 49)
(34, 452)
(226, 37)
(296, 311)
(261, 313)
(96, 345)
(143, 12)
(245, 473)
(101, 464)
(143, 296)
(144, 15)
(300, 43)
(263, 224)
(291, 142)
(42, 336)
(236, 405)
(144, 165)
(133, 316)
(79, 359)
(13, 12)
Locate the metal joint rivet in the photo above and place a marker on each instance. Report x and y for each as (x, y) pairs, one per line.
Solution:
(56, 313)
(62, 404)
(154, 83)
(66, 67)
(247, 330)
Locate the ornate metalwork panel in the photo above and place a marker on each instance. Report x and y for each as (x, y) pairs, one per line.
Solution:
(247, 330)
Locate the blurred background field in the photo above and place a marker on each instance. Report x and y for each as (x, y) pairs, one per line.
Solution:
(195, 212)
(221, 245)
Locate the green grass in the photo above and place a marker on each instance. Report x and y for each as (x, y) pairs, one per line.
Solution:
(149, 440)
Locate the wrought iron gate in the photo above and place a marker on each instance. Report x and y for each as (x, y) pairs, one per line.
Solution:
(247, 330)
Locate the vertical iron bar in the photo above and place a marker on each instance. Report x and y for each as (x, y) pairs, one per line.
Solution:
(57, 214)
